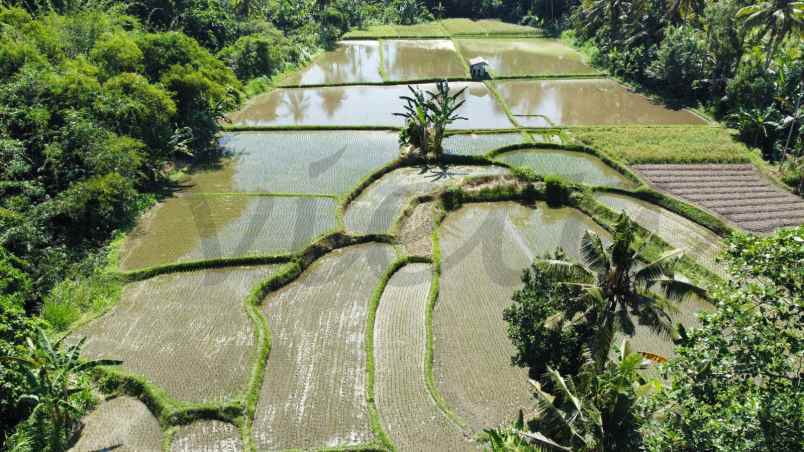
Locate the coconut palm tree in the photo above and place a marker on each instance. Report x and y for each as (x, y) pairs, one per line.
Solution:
(591, 411)
(617, 286)
(54, 374)
(776, 20)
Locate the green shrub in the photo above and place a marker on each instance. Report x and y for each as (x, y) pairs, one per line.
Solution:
(680, 61)
(257, 55)
(556, 191)
(452, 198)
(60, 314)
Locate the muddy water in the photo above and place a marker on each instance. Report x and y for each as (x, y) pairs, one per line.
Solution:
(350, 62)
(480, 143)
(575, 166)
(361, 106)
(510, 57)
(421, 59)
(698, 242)
(544, 103)
(331, 162)
(210, 227)
(484, 248)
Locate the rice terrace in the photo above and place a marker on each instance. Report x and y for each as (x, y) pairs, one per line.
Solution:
(348, 276)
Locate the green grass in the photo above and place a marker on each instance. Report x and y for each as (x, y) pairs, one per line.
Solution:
(675, 144)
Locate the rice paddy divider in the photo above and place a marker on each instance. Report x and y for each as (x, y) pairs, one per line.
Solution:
(374, 303)
(501, 102)
(263, 195)
(429, 378)
(183, 267)
(381, 68)
(466, 69)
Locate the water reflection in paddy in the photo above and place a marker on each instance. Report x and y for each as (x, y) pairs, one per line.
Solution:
(544, 103)
(576, 166)
(350, 62)
(509, 57)
(421, 59)
(360, 106)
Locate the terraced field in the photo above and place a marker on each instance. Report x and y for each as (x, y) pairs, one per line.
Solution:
(207, 436)
(485, 247)
(295, 158)
(574, 166)
(314, 392)
(407, 410)
(329, 162)
(375, 210)
(193, 228)
(122, 424)
(186, 332)
(737, 192)
(696, 241)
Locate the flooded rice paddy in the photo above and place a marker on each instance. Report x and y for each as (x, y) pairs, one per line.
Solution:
(484, 248)
(695, 240)
(314, 394)
(575, 166)
(361, 106)
(409, 59)
(350, 62)
(547, 103)
(522, 57)
(192, 228)
(122, 424)
(412, 419)
(186, 332)
(480, 143)
(374, 211)
(329, 162)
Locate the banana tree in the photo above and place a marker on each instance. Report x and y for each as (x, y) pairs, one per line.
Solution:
(54, 374)
(443, 107)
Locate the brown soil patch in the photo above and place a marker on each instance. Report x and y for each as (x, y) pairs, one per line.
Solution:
(416, 234)
(739, 193)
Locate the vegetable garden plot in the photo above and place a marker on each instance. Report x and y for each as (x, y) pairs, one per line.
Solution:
(698, 242)
(575, 166)
(299, 162)
(350, 62)
(122, 424)
(485, 247)
(314, 391)
(186, 332)
(737, 192)
(421, 59)
(523, 57)
(361, 106)
(548, 103)
(374, 211)
(207, 436)
(194, 228)
(479, 143)
(408, 413)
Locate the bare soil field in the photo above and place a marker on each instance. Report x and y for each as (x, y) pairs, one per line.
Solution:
(485, 247)
(194, 228)
(408, 412)
(375, 210)
(186, 332)
(122, 424)
(207, 436)
(314, 392)
(738, 192)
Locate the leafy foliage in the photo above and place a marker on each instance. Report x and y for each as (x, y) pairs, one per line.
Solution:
(427, 115)
(735, 383)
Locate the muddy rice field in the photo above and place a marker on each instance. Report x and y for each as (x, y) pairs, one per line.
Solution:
(311, 291)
